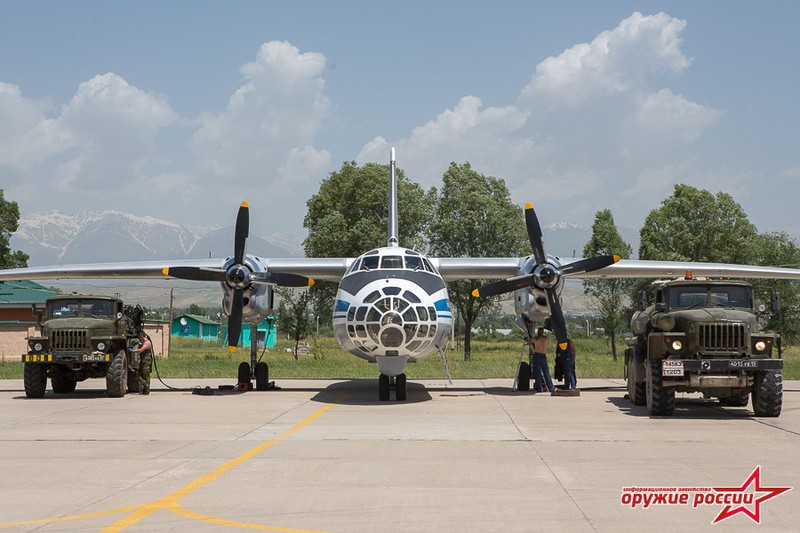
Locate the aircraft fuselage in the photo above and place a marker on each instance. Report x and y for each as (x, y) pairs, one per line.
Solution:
(392, 308)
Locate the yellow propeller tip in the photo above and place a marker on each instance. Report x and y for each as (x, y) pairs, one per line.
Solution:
(231, 349)
(528, 205)
(476, 293)
(310, 282)
(617, 258)
(165, 271)
(563, 345)
(244, 204)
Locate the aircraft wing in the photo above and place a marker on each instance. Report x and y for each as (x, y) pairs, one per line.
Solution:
(634, 268)
(320, 268)
(456, 268)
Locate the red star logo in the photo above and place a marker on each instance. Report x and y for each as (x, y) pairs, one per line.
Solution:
(753, 480)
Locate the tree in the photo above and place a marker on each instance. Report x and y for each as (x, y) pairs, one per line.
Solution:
(350, 215)
(9, 222)
(474, 217)
(293, 314)
(694, 225)
(607, 295)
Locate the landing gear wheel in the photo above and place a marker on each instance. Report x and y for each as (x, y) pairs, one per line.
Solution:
(244, 376)
(262, 376)
(400, 388)
(524, 377)
(62, 382)
(35, 378)
(383, 388)
(767, 394)
(660, 399)
(117, 375)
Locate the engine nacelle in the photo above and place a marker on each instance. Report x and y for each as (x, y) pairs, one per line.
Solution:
(532, 302)
(258, 297)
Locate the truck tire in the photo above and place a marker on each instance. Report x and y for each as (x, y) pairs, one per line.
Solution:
(735, 400)
(35, 378)
(637, 388)
(62, 381)
(117, 375)
(768, 394)
(660, 399)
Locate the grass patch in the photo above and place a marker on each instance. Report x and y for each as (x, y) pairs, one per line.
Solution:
(494, 358)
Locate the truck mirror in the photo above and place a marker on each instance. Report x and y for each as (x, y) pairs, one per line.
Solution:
(775, 301)
(37, 313)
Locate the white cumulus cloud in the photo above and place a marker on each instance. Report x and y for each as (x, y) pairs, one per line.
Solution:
(265, 135)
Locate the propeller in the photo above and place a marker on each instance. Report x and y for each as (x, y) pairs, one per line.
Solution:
(544, 276)
(238, 276)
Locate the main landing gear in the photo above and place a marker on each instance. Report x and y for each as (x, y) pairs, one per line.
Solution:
(386, 383)
(258, 370)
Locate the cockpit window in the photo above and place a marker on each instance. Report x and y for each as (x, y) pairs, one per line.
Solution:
(391, 261)
(414, 262)
(428, 265)
(369, 262)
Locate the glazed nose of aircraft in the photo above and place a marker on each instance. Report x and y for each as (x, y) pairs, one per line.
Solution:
(392, 318)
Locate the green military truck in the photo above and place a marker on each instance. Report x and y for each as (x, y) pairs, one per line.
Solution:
(702, 335)
(83, 337)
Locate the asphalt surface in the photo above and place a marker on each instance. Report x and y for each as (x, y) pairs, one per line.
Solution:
(322, 455)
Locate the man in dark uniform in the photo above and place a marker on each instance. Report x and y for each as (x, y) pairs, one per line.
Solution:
(140, 381)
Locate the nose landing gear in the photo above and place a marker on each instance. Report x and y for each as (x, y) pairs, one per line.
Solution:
(386, 384)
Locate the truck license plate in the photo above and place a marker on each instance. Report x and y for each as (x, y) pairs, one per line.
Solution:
(671, 368)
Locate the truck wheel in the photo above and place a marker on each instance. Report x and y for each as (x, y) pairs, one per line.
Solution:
(660, 399)
(62, 381)
(134, 384)
(35, 378)
(524, 377)
(735, 400)
(637, 391)
(768, 394)
(117, 375)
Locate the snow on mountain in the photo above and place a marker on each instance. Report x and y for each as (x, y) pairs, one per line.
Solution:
(57, 238)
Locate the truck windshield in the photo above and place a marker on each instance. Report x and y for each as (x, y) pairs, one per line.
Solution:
(71, 308)
(710, 296)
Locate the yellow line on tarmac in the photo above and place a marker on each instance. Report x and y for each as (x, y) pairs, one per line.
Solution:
(170, 501)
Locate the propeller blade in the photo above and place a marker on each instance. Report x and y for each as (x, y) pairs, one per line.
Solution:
(235, 320)
(503, 286)
(241, 234)
(535, 234)
(557, 318)
(282, 280)
(195, 273)
(588, 265)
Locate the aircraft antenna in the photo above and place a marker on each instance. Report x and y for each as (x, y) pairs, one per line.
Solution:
(393, 231)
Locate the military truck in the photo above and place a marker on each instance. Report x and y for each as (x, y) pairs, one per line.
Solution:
(702, 335)
(83, 337)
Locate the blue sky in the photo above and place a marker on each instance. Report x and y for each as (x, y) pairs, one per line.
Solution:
(181, 110)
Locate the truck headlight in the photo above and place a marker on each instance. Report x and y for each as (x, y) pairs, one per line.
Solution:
(38, 346)
(677, 345)
(101, 346)
(760, 346)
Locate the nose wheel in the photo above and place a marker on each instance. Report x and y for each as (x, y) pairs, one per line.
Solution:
(386, 384)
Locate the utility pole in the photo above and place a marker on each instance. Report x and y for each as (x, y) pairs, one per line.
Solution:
(169, 326)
